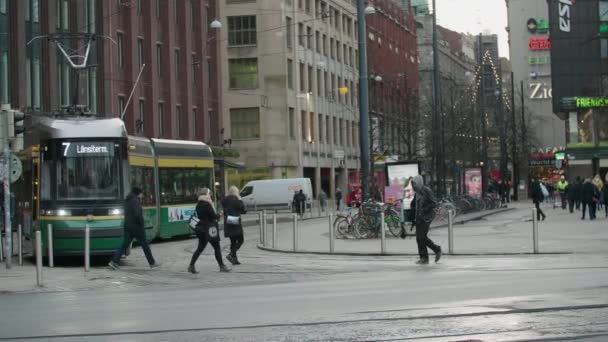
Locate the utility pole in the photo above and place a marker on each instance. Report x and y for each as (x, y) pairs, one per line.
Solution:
(437, 148)
(7, 189)
(515, 161)
(524, 146)
(482, 114)
(363, 101)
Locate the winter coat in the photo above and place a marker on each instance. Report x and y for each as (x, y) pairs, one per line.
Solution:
(537, 193)
(323, 199)
(206, 214)
(605, 194)
(233, 206)
(573, 191)
(134, 213)
(589, 191)
(424, 203)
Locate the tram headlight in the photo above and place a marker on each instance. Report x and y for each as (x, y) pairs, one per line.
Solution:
(115, 212)
(63, 212)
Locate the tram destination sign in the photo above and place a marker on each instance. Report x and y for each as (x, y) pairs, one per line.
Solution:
(87, 149)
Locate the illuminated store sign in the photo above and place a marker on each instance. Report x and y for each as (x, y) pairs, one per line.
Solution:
(574, 103)
(538, 25)
(539, 43)
(538, 60)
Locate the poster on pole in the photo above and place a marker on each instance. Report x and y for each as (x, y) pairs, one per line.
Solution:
(472, 182)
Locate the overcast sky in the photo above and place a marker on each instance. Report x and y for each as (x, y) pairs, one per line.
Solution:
(475, 16)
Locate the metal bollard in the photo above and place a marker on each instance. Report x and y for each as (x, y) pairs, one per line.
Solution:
(319, 208)
(295, 232)
(49, 235)
(534, 231)
(261, 227)
(331, 233)
(265, 222)
(274, 230)
(20, 244)
(87, 248)
(451, 231)
(382, 234)
(38, 258)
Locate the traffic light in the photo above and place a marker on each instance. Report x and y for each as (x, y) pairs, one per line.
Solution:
(16, 129)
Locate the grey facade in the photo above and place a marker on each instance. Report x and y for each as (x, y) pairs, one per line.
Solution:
(533, 68)
(290, 85)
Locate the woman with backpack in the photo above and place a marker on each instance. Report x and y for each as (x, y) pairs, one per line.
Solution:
(233, 228)
(537, 197)
(207, 230)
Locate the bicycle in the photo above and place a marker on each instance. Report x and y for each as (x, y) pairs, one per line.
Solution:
(368, 224)
(344, 225)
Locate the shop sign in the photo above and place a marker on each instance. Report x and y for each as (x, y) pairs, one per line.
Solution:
(541, 162)
(539, 43)
(537, 25)
(540, 91)
(564, 15)
(539, 60)
(574, 103)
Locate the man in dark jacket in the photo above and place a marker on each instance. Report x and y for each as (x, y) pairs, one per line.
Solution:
(588, 193)
(572, 194)
(299, 201)
(537, 197)
(134, 229)
(578, 190)
(423, 210)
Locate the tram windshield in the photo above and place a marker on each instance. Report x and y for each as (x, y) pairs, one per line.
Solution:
(84, 170)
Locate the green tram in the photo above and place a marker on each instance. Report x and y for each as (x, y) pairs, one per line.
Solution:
(78, 172)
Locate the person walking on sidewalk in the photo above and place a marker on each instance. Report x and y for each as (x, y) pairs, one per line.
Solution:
(133, 229)
(537, 197)
(207, 231)
(578, 190)
(571, 193)
(323, 200)
(588, 195)
(299, 201)
(338, 198)
(423, 212)
(561, 187)
(233, 226)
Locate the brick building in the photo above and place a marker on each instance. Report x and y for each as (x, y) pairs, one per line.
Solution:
(178, 94)
(393, 68)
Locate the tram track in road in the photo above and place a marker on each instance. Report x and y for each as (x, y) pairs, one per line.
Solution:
(533, 323)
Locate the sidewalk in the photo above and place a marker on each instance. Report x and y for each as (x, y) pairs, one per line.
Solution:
(491, 232)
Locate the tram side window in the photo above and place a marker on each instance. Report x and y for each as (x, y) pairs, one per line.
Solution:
(143, 177)
(45, 181)
(182, 185)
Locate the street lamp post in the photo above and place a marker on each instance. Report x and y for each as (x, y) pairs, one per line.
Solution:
(363, 99)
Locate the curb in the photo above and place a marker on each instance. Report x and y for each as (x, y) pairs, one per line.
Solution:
(284, 251)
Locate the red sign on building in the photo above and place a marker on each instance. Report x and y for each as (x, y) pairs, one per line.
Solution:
(539, 43)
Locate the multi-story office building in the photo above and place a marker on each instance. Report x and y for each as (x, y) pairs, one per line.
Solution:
(579, 69)
(290, 88)
(530, 57)
(169, 41)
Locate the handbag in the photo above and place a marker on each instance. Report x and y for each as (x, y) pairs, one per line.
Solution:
(233, 220)
(193, 221)
(212, 233)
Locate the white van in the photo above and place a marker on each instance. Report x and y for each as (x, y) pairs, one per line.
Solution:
(274, 193)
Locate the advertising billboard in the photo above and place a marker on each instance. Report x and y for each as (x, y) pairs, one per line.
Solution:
(397, 173)
(472, 182)
(575, 50)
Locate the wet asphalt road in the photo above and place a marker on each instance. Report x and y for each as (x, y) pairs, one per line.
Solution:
(433, 303)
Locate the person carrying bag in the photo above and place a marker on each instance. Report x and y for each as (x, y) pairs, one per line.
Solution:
(207, 230)
(233, 226)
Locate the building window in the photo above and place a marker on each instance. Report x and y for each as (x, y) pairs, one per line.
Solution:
(341, 132)
(176, 57)
(4, 76)
(301, 34)
(338, 53)
(243, 73)
(318, 41)
(327, 129)
(332, 54)
(335, 130)
(242, 31)
(121, 105)
(321, 130)
(178, 122)
(174, 3)
(288, 32)
(62, 15)
(92, 89)
(140, 124)
(292, 123)
(3, 6)
(310, 79)
(303, 120)
(245, 123)
(159, 60)
(63, 72)
(313, 132)
(120, 41)
(290, 74)
(325, 45)
(90, 15)
(194, 122)
(302, 78)
(158, 8)
(319, 83)
(140, 52)
(161, 119)
(309, 37)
